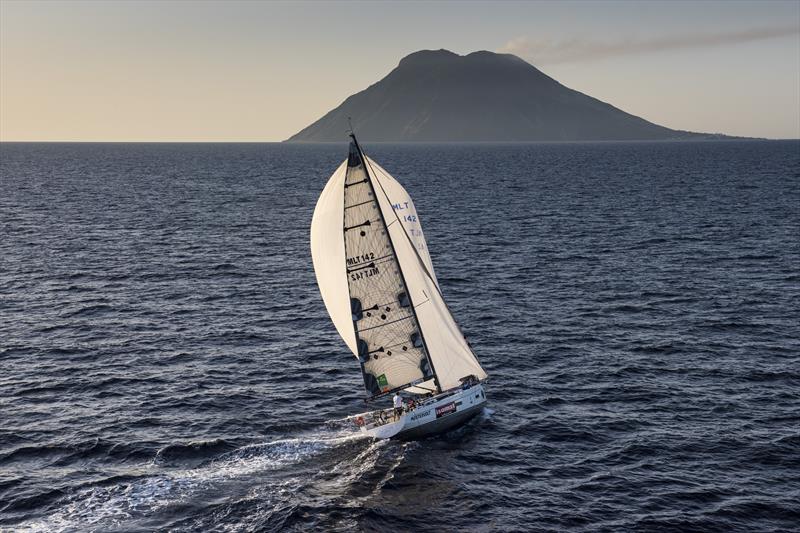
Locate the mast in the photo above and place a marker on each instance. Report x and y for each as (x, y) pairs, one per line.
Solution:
(399, 267)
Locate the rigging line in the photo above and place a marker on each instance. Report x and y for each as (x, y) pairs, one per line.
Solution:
(393, 302)
(389, 360)
(367, 223)
(356, 205)
(419, 258)
(387, 323)
(426, 301)
(388, 256)
(362, 267)
(377, 307)
(404, 343)
(396, 361)
(383, 260)
(346, 185)
(423, 388)
(373, 264)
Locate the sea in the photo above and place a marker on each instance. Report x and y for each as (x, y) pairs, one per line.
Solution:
(167, 363)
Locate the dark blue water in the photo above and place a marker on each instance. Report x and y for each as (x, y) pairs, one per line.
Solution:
(167, 362)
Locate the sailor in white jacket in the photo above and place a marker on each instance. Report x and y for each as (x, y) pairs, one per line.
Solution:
(397, 400)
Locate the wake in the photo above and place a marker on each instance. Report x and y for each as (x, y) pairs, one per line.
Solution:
(155, 487)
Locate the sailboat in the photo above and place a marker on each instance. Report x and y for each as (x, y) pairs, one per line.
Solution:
(376, 278)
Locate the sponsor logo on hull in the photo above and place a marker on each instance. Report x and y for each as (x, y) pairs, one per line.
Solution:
(445, 409)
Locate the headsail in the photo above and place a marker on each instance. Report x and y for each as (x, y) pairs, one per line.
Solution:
(451, 355)
(378, 283)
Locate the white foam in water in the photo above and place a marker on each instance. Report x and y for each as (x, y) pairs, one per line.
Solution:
(98, 508)
(347, 473)
(399, 459)
(364, 462)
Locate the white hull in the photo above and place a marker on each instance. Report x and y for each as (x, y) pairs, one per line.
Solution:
(437, 415)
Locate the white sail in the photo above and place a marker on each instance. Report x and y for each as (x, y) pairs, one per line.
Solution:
(386, 334)
(395, 350)
(406, 211)
(450, 354)
(327, 253)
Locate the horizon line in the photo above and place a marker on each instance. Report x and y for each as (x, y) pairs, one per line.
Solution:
(711, 138)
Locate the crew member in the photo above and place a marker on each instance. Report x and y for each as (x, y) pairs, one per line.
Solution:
(397, 400)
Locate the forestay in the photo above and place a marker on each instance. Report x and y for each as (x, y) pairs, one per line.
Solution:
(378, 283)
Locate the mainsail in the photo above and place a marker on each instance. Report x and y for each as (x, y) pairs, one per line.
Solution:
(377, 280)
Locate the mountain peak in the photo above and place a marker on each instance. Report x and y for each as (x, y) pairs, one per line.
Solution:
(437, 95)
(493, 56)
(427, 57)
(424, 57)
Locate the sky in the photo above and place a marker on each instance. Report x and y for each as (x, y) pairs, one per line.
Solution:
(261, 71)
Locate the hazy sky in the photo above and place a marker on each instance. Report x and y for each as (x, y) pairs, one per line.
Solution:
(261, 71)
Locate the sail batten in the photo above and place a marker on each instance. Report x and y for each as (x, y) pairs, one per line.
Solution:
(378, 282)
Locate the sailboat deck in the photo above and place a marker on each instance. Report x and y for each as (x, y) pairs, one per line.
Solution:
(380, 417)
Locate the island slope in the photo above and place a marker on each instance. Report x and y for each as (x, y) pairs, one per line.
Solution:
(439, 96)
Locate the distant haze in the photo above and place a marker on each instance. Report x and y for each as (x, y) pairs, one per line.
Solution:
(262, 71)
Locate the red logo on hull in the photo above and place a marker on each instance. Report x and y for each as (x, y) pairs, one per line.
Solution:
(445, 409)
